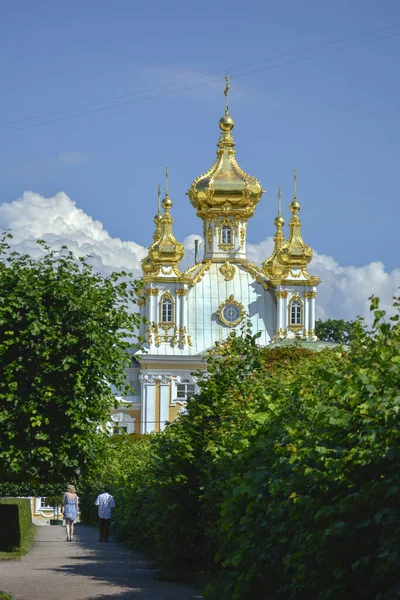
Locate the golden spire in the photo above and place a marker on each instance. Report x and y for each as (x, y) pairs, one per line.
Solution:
(158, 218)
(226, 92)
(166, 250)
(272, 266)
(295, 253)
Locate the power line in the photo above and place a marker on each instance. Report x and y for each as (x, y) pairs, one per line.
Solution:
(229, 69)
(175, 91)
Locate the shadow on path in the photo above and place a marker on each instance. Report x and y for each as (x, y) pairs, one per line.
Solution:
(85, 570)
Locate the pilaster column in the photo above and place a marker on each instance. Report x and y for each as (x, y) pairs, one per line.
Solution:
(281, 309)
(165, 386)
(306, 315)
(148, 385)
(311, 323)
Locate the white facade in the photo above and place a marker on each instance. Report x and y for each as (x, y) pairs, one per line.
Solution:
(188, 312)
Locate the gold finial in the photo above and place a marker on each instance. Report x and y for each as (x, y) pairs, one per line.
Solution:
(166, 181)
(226, 92)
(159, 198)
(295, 183)
(279, 200)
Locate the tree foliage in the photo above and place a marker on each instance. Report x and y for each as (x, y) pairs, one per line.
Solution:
(336, 330)
(282, 479)
(64, 335)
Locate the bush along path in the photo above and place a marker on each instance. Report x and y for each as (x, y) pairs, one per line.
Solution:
(283, 477)
(84, 570)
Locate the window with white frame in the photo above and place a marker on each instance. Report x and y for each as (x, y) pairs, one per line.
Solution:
(226, 234)
(184, 390)
(295, 312)
(166, 310)
(44, 503)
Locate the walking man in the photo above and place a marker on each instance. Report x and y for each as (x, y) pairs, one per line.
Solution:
(106, 504)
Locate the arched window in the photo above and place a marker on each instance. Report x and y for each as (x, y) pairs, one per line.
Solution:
(295, 312)
(166, 308)
(226, 234)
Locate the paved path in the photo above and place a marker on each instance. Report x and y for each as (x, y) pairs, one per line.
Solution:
(84, 570)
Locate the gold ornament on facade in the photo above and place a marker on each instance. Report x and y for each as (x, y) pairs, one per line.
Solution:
(166, 251)
(310, 294)
(227, 270)
(272, 266)
(210, 235)
(230, 312)
(281, 294)
(181, 292)
(295, 253)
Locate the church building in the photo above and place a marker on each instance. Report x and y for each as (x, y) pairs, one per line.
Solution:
(187, 312)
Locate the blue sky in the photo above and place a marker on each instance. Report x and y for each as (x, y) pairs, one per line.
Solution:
(335, 118)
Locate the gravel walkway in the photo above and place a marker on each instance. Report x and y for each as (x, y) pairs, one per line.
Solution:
(84, 570)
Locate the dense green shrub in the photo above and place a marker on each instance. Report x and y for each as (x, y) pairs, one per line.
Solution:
(282, 479)
(15, 523)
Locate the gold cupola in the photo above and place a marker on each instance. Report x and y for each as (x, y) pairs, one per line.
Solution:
(272, 266)
(165, 250)
(225, 188)
(295, 253)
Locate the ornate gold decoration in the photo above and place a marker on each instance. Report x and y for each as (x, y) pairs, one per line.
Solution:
(227, 270)
(225, 183)
(230, 300)
(151, 291)
(225, 247)
(296, 328)
(165, 251)
(210, 235)
(242, 236)
(142, 302)
(282, 294)
(272, 266)
(181, 292)
(295, 253)
(310, 294)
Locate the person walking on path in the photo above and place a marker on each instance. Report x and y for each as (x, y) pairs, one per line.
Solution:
(70, 510)
(106, 504)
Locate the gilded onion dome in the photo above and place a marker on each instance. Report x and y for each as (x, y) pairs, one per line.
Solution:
(165, 250)
(272, 266)
(225, 185)
(295, 253)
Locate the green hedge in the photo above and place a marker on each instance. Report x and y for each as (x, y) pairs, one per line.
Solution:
(15, 523)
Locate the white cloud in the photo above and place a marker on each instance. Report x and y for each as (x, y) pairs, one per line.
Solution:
(60, 222)
(343, 293)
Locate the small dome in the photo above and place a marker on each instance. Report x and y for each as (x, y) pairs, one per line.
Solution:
(167, 202)
(279, 221)
(226, 123)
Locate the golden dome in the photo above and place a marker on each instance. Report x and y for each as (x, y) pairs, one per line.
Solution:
(225, 186)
